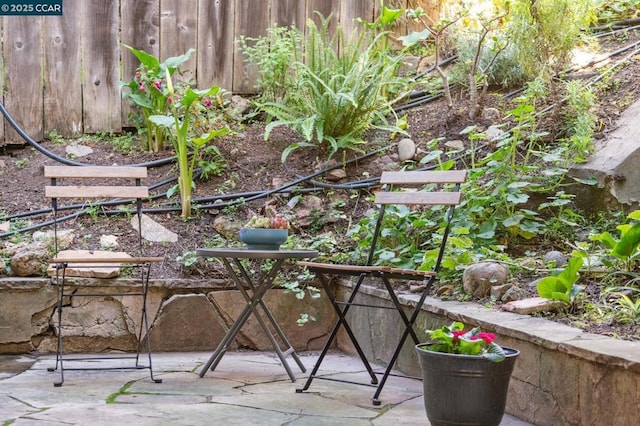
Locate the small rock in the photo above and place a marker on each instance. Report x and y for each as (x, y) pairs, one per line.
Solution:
(513, 293)
(491, 114)
(426, 63)
(533, 285)
(531, 305)
(65, 237)
(31, 259)
(497, 291)
(445, 289)
(238, 108)
(494, 133)
(409, 65)
(153, 231)
(555, 258)
(108, 242)
(455, 145)
(307, 211)
(417, 288)
(335, 175)
(76, 150)
(225, 227)
(478, 279)
(406, 149)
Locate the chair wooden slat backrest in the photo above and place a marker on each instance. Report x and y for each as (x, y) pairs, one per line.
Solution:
(103, 183)
(417, 181)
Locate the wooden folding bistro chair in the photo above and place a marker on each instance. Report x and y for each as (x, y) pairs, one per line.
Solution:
(413, 189)
(72, 187)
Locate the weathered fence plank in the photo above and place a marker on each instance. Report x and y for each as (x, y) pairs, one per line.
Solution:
(215, 51)
(252, 22)
(101, 66)
(353, 9)
(289, 13)
(178, 30)
(23, 76)
(326, 8)
(140, 30)
(62, 73)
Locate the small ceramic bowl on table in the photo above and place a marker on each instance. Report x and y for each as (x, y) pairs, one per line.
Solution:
(263, 238)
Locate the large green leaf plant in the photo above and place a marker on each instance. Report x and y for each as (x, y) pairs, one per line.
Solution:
(148, 91)
(186, 145)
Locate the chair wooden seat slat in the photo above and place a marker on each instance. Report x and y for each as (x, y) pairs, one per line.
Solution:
(130, 260)
(76, 191)
(94, 184)
(415, 189)
(359, 269)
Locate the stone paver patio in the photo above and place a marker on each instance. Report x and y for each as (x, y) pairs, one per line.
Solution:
(246, 388)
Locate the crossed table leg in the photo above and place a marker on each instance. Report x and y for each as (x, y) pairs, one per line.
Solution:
(245, 284)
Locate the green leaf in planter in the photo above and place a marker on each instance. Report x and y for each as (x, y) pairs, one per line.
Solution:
(562, 286)
(494, 353)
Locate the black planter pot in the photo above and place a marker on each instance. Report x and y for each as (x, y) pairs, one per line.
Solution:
(465, 389)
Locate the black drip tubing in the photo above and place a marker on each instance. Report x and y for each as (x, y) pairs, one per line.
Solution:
(63, 160)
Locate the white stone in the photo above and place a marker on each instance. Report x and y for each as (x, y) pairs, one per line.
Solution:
(406, 149)
(494, 133)
(456, 145)
(78, 150)
(108, 242)
(153, 231)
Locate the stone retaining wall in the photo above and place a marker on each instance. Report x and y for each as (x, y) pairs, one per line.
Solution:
(185, 315)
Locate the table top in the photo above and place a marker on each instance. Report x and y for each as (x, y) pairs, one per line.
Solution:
(245, 253)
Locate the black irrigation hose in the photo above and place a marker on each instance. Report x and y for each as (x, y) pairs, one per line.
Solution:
(63, 160)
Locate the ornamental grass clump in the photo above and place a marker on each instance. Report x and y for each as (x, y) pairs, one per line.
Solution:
(453, 339)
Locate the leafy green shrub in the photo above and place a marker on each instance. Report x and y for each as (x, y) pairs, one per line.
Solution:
(628, 309)
(275, 56)
(148, 91)
(612, 11)
(626, 249)
(545, 32)
(342, 89)
(579, 120)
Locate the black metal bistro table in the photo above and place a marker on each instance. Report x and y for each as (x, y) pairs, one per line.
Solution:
(253, 290)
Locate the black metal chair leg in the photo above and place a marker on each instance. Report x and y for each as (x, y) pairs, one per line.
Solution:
(145, 321)
(60, 297)
(334, 332)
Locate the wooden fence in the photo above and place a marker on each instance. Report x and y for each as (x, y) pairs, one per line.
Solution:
(62, 73)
